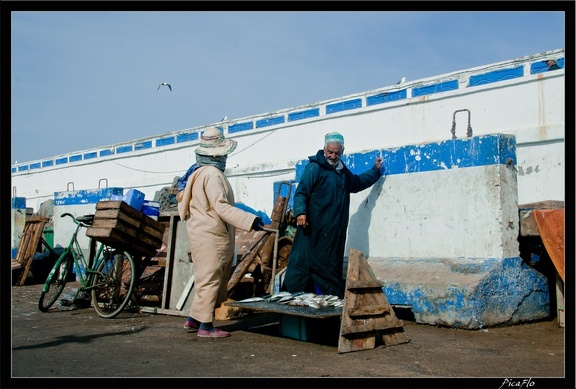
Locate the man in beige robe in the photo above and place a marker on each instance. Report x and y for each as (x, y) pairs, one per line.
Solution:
(207, 207)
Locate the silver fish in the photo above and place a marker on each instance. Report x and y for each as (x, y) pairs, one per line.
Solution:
(251, 300)
(280, 295)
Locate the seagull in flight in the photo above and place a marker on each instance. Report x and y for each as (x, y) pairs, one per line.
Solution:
(165, 84)
(403, 80)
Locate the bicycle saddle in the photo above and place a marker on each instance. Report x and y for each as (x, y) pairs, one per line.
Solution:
(86, 219)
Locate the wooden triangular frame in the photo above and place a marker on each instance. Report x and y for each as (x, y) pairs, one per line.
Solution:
(366, 314)
(33, 228)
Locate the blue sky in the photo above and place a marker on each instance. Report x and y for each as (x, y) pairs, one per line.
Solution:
(82, 80)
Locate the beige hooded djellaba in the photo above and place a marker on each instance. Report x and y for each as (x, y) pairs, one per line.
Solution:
(211, 226)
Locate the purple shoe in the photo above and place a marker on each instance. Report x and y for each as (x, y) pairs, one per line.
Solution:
(190, 325)
(213, 333)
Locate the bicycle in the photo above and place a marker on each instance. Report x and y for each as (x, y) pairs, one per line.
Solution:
(110, 274)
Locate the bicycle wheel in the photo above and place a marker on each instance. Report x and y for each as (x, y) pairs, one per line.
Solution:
(55, 282)
(113, 283)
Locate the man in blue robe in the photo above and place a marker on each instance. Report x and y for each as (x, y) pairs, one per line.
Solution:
(321, 207)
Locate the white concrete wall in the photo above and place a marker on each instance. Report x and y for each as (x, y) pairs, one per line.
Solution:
(459, 213)
(531, 107)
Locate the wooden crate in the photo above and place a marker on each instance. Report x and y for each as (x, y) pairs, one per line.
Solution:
(120, 226)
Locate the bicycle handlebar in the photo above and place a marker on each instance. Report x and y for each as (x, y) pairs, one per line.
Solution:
(84, 221)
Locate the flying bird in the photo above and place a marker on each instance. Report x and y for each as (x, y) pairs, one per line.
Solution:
(402, 80)
(165, 84)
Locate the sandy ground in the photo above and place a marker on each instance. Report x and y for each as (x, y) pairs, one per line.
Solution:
(78, 343)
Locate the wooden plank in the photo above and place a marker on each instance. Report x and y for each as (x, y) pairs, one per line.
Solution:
(185, 293)
(99, 226)
(363, 284)
(367, 313)
(368, 310)
(122, 209)
(33, 228)
(120, 241)
(245, 263)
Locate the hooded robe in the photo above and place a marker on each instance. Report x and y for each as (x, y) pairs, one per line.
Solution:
(317, 254)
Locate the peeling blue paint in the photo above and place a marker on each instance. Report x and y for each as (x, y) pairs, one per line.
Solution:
(310, 113)
(503, 291)
(86, 196)
(386, 97)
(165, 141)
(18, 202)
(436, 88)
(186, 137)
(540, 66)
(343, 106)
(123, 149)
(240, 127)
(450, 154)
(143, 145)
(269, 121)
(496, 76)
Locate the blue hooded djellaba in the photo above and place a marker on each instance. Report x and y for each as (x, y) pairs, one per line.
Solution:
(317, 254)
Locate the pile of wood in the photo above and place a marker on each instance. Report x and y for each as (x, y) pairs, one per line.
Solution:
(262, 257)
(121, 226)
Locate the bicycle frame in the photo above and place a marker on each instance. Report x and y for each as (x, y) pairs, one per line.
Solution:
(109, 274)
(79, 261)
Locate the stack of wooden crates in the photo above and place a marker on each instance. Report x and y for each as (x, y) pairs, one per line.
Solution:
(121, 226)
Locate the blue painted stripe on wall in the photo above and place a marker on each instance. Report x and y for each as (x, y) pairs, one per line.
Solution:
(186, 137)
(83, 197)
(123, 149)
(540, 66)
(165, 141)
(496, 75)
(303, 114)
(14, 170)
(269, 121)
(436, 88)
(344, 106)
(240, 127)
(90, 155)
(143, 145)
(455, 153)
(61, 161)
(47, 163)
(35, 165)
(104, 153)
(385, 97)
(23, 168)
(75, 158)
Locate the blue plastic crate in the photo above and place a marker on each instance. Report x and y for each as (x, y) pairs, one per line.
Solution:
(308, 329)
(134, 198)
